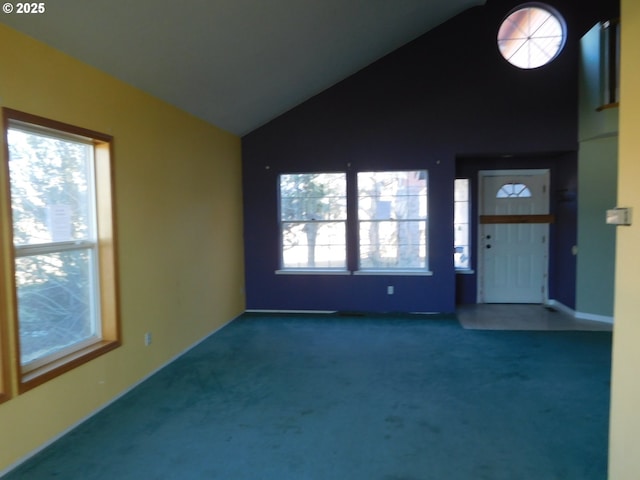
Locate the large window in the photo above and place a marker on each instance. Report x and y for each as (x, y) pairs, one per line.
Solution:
(392, 218)
(313, 216)
(64, 256)
(388, 234)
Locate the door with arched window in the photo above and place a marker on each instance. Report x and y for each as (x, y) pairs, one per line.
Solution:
(514, 232)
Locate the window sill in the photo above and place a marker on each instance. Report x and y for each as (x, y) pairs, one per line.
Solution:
(407, 273)
(465, 271)
(57, 367)
(607, 106)
(312, 271)
(319, 271)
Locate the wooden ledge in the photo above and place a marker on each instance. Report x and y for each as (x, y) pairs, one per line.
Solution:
(485, 219)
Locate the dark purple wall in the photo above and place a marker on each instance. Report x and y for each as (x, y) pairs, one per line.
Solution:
(445, 96)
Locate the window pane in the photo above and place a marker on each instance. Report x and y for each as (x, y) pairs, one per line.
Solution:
(461, 259)
(461, 234)
(313, 213)
(461, 212)
(313, 196)
(461, 190)
(55, 302)
(531, 37)
(392, 244)
(513, 190)
(392, 195)
(51, 188)
(392, 210)
(314, 245)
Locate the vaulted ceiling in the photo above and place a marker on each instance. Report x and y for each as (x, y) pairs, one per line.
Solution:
(234, 63)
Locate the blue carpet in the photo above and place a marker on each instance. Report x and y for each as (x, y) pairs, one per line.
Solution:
(371, 398)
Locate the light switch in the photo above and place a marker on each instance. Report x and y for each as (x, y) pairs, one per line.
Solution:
(619, 216)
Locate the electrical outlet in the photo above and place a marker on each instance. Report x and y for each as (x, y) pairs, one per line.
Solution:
(390, 290)
(147, 339)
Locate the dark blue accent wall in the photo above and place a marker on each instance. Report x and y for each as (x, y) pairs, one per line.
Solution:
(441, 103)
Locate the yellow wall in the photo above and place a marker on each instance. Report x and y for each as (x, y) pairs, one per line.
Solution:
(179, 221)
(624, 448)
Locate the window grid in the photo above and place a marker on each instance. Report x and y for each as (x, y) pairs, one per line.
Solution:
(388, 230)
(531, 36)
(313, 216)
(392, 219)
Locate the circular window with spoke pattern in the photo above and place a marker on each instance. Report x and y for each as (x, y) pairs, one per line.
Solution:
(532, 35)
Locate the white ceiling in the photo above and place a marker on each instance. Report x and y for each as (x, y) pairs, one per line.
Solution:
(234, 63)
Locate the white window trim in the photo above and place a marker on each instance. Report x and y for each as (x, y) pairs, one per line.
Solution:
(378, 272)
(311, 271)
(307, 270)
(466, 270)
(423, 271)
(395, 272)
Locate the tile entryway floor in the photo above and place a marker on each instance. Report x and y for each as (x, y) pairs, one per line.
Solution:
(522, 317)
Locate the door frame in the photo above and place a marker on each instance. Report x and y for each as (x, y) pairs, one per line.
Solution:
(480, 210)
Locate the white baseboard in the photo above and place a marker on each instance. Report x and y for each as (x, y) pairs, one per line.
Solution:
(111, 401)
(579, 315)
(594, 317)
(561, 307)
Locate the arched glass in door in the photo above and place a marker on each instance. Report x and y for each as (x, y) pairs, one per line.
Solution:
(513, 190)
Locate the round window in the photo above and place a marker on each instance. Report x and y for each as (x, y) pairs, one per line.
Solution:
(532, 35)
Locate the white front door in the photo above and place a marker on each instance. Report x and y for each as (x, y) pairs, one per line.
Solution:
(513, 256)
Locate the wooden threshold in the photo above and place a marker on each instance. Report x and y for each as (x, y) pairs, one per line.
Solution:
(517, 219)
